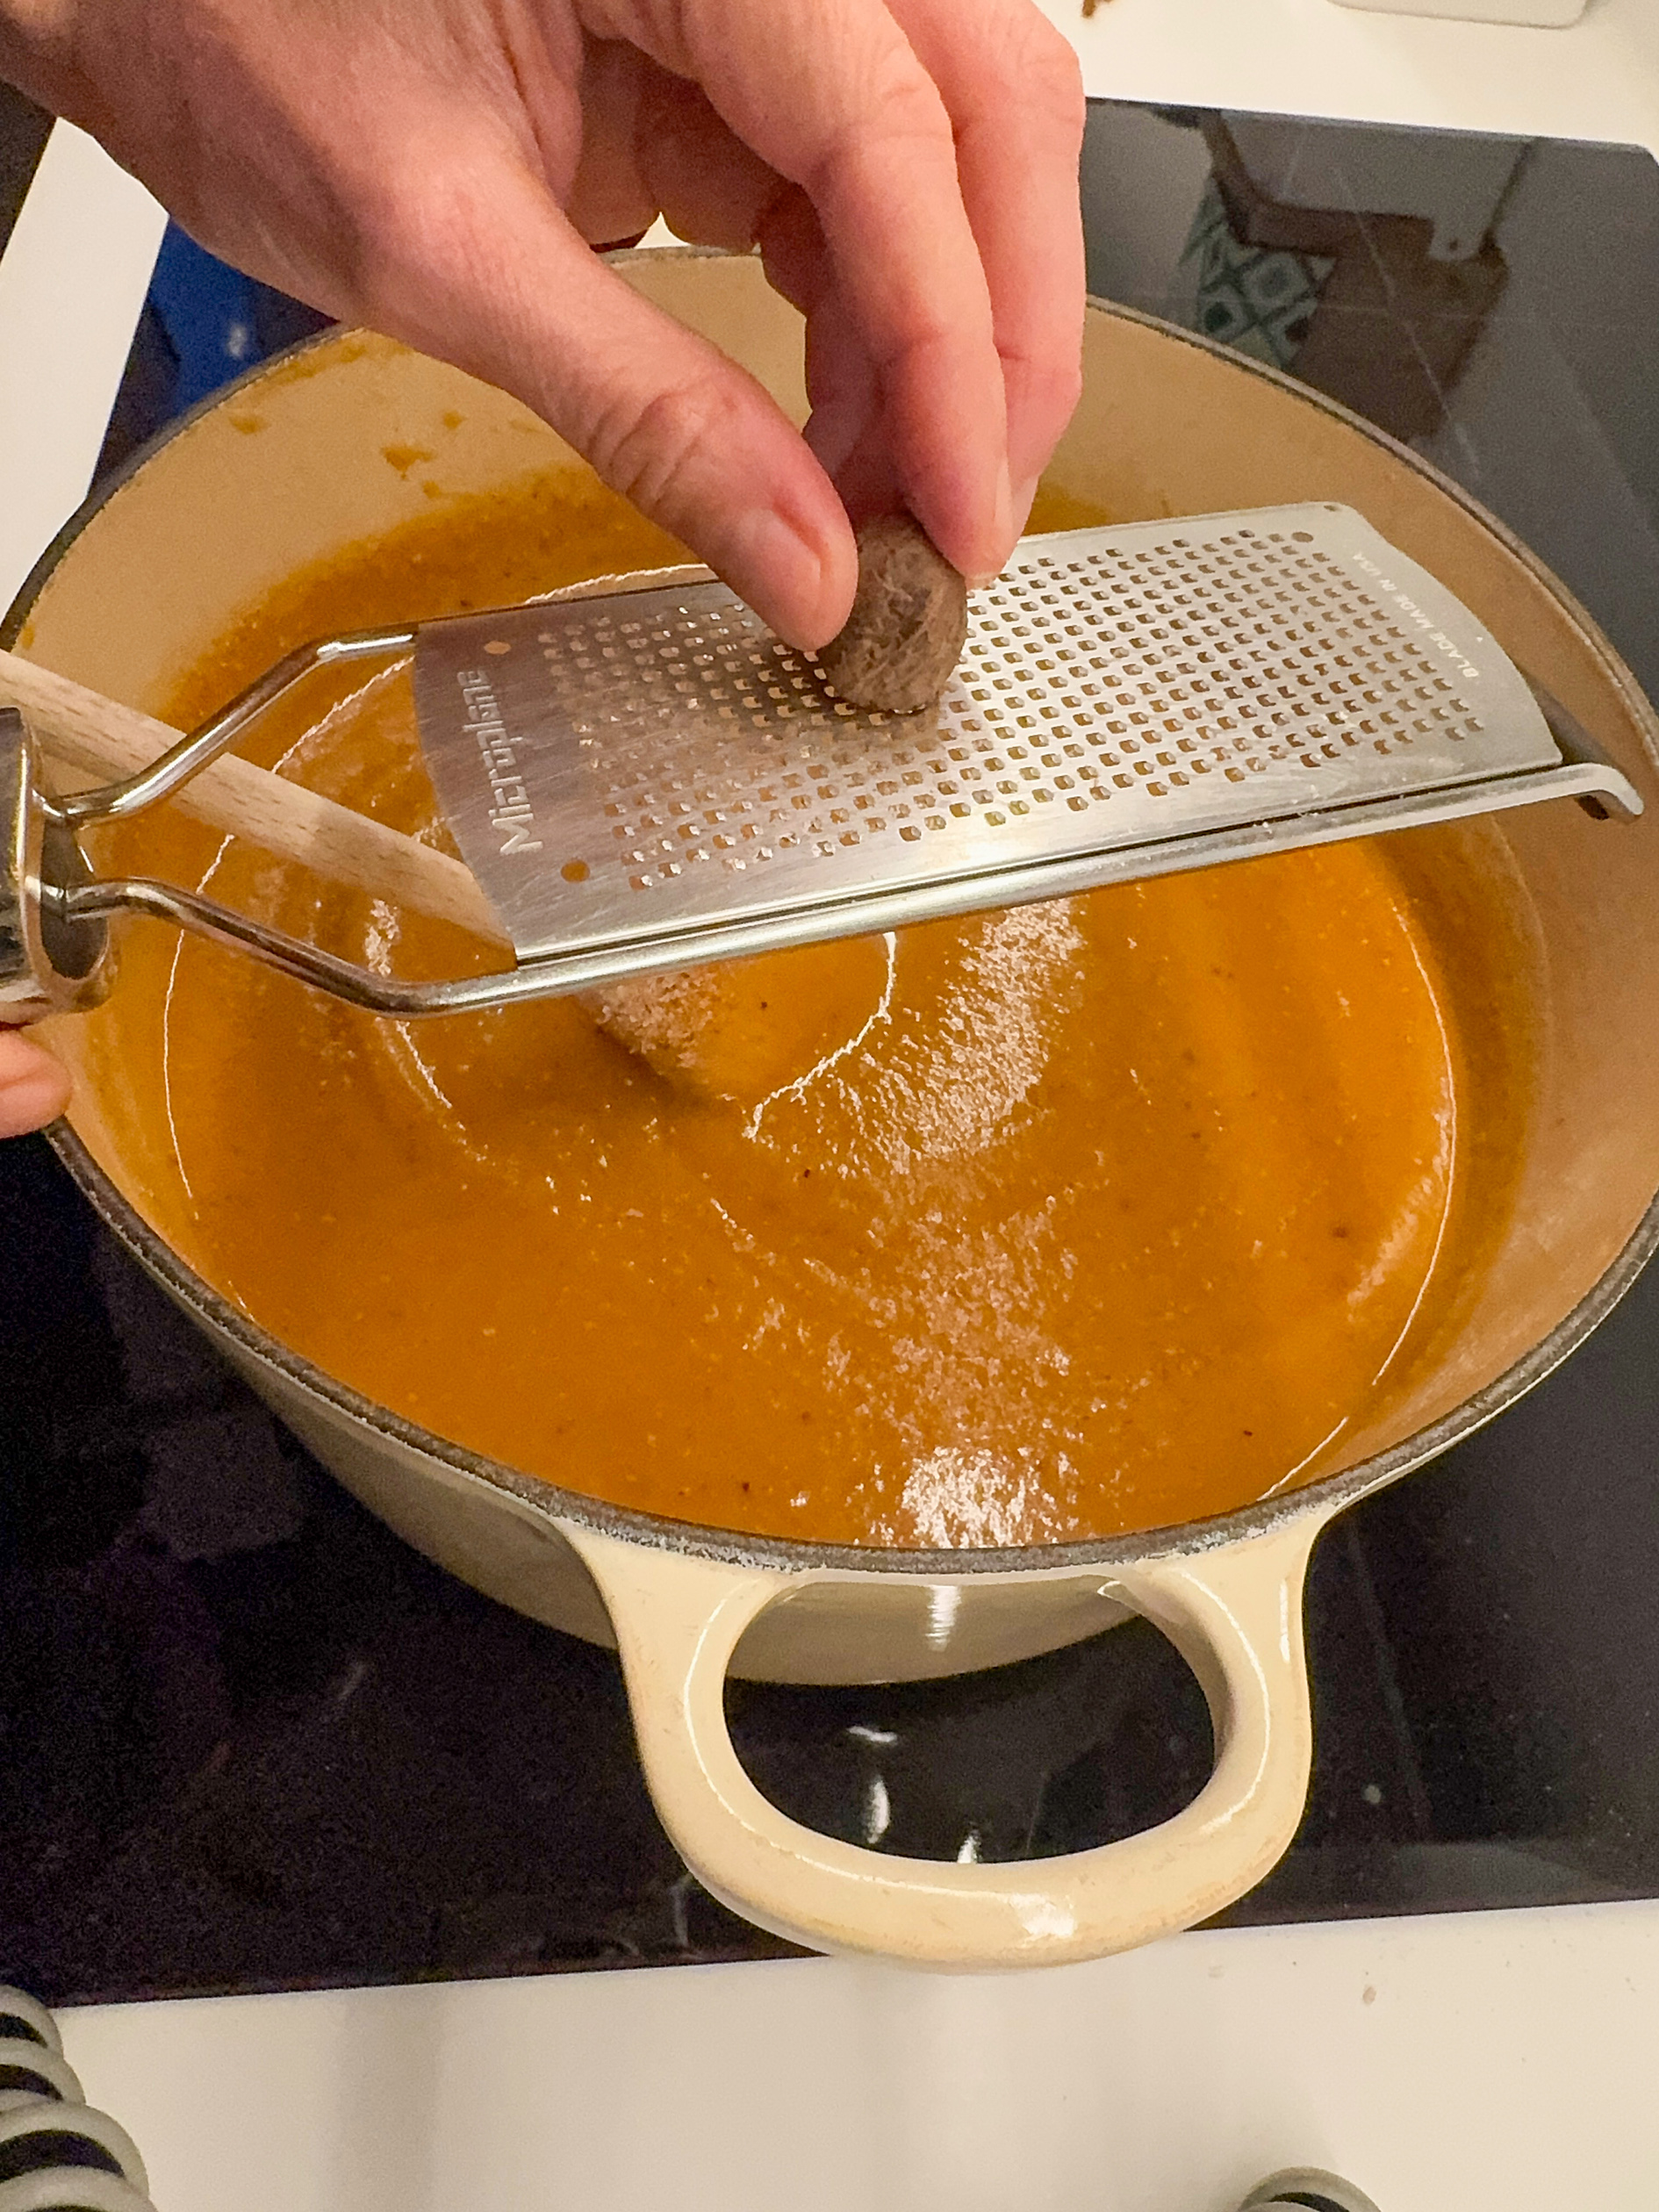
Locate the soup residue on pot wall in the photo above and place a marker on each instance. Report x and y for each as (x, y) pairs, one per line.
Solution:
(1088, 1217)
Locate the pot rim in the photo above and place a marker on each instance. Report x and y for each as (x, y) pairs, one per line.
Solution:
(783, 1556)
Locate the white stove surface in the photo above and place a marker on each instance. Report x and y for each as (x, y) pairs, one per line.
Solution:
(1597, 79)
(1482, 2062)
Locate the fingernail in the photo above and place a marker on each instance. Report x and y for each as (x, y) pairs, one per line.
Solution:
(1018, 513)
(781, 576)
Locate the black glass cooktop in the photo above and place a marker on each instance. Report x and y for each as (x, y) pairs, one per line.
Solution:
(248, 1740)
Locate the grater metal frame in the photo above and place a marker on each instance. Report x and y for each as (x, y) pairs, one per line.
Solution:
(640, 776)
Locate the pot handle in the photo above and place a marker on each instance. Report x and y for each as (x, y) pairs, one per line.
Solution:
(1234, 1613)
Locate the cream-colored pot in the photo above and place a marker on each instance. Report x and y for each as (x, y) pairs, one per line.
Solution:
(312, 455)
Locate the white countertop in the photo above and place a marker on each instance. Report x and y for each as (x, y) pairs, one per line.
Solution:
(1486, 2061)
(1597, 80)
(72, 281)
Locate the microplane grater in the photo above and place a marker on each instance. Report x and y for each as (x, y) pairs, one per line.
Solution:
(653, 777)
(641, 776)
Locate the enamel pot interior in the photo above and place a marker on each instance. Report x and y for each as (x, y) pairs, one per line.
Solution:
(313, 454)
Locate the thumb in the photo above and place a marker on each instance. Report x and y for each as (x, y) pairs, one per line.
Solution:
(494, 278)
(33, 1088)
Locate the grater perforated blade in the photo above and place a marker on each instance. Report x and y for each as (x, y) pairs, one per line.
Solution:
(653, 778)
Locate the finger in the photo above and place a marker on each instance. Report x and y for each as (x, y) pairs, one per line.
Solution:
(848, 427)
(470, 258)
(607, 196)
(830, 95)
(34, 1088)
(651, 146)
(714, 191)
(842, 386)
(1015, 95)
(711, 189)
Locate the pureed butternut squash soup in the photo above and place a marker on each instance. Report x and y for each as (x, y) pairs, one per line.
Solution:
(1090, 1217)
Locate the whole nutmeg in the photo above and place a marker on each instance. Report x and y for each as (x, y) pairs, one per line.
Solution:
(908, 621)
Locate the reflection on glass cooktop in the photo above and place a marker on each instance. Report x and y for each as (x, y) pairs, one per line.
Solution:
(248, 1740)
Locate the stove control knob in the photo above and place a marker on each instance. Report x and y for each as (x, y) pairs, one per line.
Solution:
(55, 2151)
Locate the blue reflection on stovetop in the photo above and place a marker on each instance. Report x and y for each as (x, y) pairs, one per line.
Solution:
(248, 1740)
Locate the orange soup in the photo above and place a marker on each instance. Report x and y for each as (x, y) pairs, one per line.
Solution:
(1087, 1216)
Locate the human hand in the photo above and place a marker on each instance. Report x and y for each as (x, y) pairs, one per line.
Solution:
(437, 168)
(33, 1088)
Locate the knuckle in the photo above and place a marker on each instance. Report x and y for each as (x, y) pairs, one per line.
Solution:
(408, 219)
(1045, 67)
(906, 107)
(659, 456)
(1056, 93)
